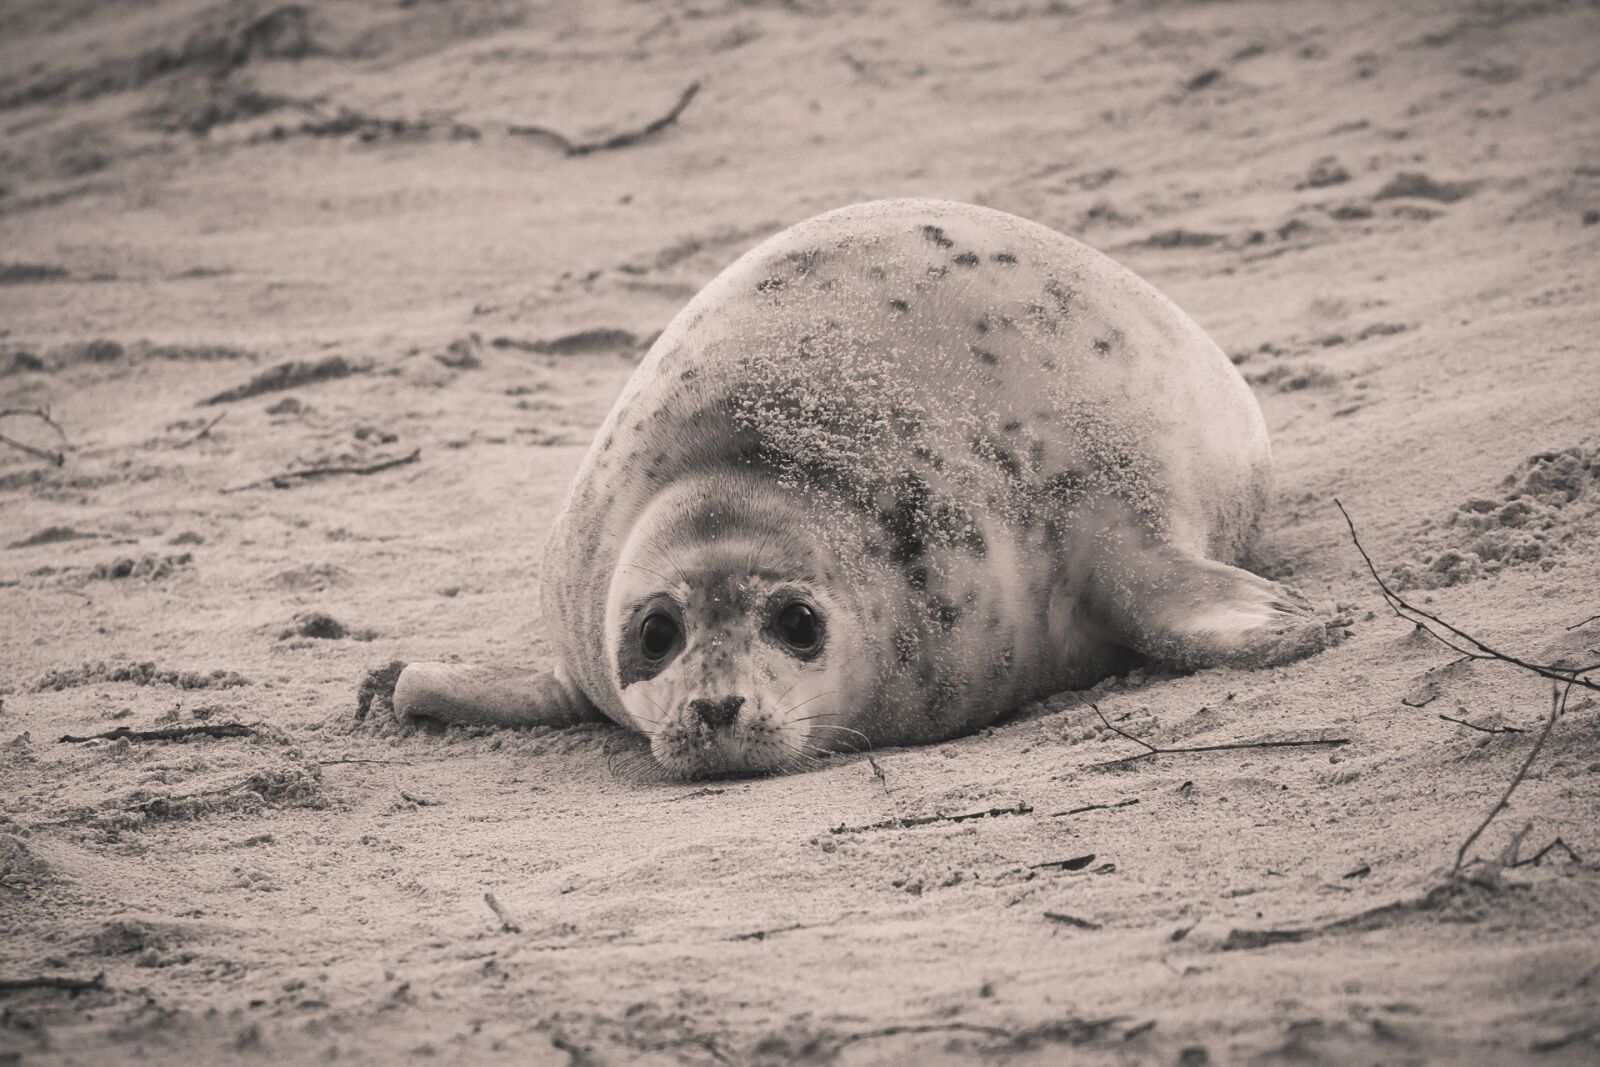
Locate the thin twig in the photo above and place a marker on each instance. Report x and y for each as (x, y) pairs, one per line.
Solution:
(421, 802)
(169, 733)
(205, 431)
(877, 772)
(1537, 856)
(281, 481)
(1022, 808)
(1585, 622)
(621, 140)
(1483, 729)
(1558, 704)
(1094, 807)
(50, 981)
(1477, 649)
(357, 759)
(507, 923)
(43, 415)
(1153, 750)
(1070, 920)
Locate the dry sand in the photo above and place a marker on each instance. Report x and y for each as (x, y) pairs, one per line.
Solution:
(1385, 212)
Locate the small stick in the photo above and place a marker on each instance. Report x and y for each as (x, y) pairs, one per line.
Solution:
(1537, 856)
(170, 733)
(50, 981)
(1076, 863)
(205, 431)
(924, 820)
(355, 759)
(1399, 606)
(56, 458)
(1483, 729)
(281, 481)
(621, 140)
(507, 923)
(877, 772)
(1094, 807)
(1585, 622)
(1070, 920)
(1154, 751)
(1421, 703)
(420, 802)
(1558, 704)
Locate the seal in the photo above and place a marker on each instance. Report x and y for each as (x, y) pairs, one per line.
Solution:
(898, 470)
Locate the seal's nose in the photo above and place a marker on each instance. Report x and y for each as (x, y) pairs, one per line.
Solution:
(717, 713)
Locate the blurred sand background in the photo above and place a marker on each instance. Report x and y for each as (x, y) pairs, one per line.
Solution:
(1389, 215)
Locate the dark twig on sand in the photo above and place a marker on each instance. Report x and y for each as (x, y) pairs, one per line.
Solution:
(51, 981)
(1585, 622)
(56, 458)
(421, 802)
(1534, 860)
(1094, 807)
(1070, 920)
(507, 923)
(1483, 729)
(1152, 751)
(877, 772)
(1457, 639)
(169, 733)
(358, 759)
(1076, 863)
(621, 140)
(925, 820)
(1558, 705)
(205, 431)
(283, 481)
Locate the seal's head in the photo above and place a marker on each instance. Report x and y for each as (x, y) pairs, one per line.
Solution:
(732, 647)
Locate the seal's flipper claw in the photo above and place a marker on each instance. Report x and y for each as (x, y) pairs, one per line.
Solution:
(454, 692)
(1190, 612)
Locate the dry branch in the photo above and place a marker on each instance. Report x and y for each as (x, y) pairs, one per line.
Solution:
(1475, 649)
(621, 140)
(1094, 807)
(282, 481)
(358, 759)
(1584, 622)
(1481, 729)
(170, 733)
(507, 923)
(1534, 859)
(1070, 920)
(1152, 750)
(1558, 704)
(50, 981)
(56, 458)
(205, 431)
(1021, 808)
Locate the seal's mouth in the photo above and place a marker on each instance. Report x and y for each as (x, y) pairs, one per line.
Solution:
(694, 749)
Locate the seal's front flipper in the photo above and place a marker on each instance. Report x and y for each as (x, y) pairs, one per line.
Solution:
(1191, 612)
(455, 692)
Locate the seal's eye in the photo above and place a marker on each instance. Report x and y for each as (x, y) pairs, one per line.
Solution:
(800, 628)
(656, 635)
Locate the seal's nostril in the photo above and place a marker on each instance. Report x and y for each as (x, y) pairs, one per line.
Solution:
(717, 713)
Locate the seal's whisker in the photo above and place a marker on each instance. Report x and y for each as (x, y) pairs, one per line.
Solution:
(807, 700)
(647, 570)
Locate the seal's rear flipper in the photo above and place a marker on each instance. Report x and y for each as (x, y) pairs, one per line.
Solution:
(455, 692)
(1191, 612)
